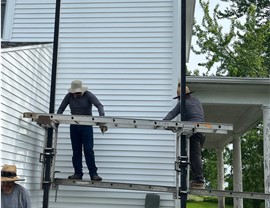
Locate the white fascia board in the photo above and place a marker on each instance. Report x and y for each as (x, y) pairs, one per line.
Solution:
(8, 21)
(229, 80)
(189, 25)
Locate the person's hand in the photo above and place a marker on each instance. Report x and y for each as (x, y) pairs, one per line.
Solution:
(173, 129)
(103, 129)
(56, 125)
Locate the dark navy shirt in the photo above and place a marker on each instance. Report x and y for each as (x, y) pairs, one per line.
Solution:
(194, 110)
(81, 105)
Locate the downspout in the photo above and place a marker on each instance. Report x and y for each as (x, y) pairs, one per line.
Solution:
(183, 152)
(48, 152)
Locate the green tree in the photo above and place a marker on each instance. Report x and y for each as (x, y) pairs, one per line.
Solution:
(210, 167)
(244, 51)
(239, 8)
(252, 167)
(252, 158)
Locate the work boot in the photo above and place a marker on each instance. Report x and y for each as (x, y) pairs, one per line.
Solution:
(76, 176)
(197, 185)
(96, 178)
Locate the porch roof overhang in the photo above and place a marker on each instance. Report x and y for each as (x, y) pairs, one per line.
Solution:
(236, 101)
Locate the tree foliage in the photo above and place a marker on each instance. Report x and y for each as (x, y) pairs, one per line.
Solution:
(243, 51)
(252, 165)
(210, 168)
(252, 158)
(239, 8)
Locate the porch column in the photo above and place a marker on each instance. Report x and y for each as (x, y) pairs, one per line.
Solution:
(266, 140)
(220, 160)
(237, 170)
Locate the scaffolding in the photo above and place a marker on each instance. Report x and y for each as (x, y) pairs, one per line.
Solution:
(51, 121)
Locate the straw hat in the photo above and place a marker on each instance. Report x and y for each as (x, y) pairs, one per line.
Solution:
(9, 173)
(76, 86)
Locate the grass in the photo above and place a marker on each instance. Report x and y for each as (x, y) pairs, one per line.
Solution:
(203, 202)
(204, 205)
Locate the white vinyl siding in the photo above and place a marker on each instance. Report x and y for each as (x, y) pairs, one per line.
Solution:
(31, 20)
(25, 85)
(123, 51)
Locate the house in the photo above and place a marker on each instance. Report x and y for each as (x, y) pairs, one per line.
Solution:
(25, 86)
(126, 52)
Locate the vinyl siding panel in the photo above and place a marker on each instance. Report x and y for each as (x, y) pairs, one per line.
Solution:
(25, 84)
(126, 53)
(32, 21)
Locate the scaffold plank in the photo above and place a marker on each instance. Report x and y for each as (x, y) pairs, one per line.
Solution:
(228, 193)
(157, 188)
(114, 185)
(117, 122)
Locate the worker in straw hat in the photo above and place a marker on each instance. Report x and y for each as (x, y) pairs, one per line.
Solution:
(13, 195)
(80, 101)
(194, 112)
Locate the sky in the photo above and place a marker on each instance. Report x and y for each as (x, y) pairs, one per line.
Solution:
(195, 59)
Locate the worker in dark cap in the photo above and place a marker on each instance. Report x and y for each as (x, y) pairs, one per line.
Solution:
(194, 112)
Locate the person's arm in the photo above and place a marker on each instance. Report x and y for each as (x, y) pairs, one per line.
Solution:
(173, 113)
(100, 108)
(23, 197)
(97, 104)
(64, 104)
(27, 200)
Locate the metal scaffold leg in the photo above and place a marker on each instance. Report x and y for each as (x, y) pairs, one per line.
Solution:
(182, 168)
(47, 163)
(184, 164)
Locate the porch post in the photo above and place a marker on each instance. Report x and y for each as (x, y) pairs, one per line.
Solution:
(266, 140)
(220, 160)
(237, 170)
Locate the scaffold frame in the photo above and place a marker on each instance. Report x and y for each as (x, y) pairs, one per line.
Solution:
(46, 120)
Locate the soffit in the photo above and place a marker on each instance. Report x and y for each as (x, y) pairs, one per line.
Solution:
(236, 101)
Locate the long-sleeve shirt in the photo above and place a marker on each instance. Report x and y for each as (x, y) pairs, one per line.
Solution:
(18, 198)
(81, 105)
(194, 110)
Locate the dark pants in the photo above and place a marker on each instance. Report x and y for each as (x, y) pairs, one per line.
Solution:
(82, 137)
(196, 144)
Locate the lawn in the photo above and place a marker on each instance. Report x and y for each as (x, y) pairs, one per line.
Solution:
(203, 202)
(204, 205)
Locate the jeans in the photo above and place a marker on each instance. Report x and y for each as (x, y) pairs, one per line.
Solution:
(82, 137)
(196, 144)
